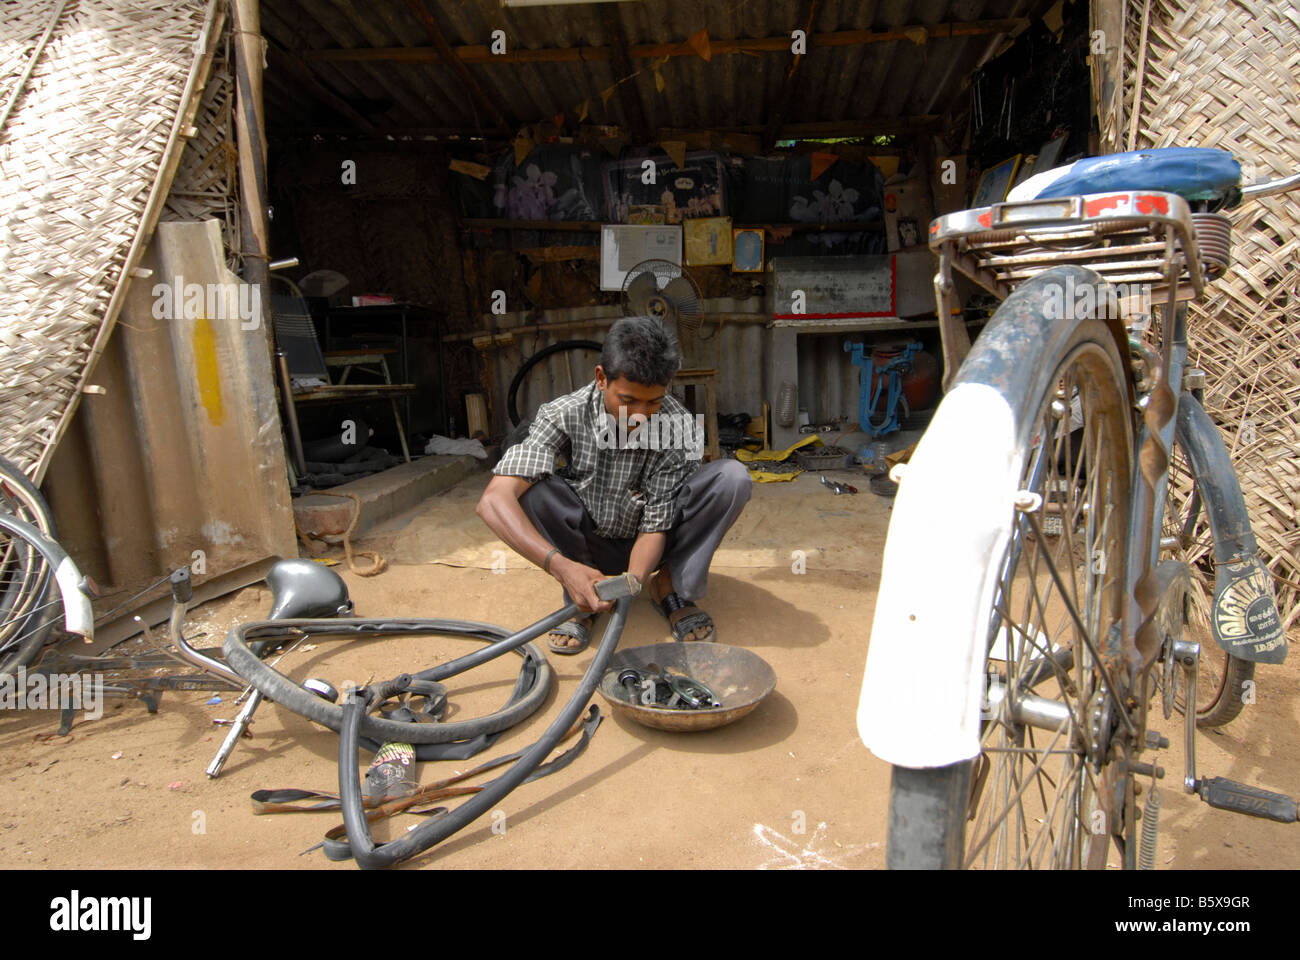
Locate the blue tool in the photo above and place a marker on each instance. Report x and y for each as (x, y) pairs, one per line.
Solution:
(884, 379)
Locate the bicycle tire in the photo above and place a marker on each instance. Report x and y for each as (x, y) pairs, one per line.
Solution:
(512, 395)
(27, 615)
(969, 813)
(292, 696)
(21, 497)
(1223, 678)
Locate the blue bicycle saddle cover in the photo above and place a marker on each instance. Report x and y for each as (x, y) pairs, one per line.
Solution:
(1194, 173)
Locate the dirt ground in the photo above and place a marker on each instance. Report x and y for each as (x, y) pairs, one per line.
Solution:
(789, 786)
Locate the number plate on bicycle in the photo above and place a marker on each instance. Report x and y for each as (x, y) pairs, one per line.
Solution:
(1061, 208)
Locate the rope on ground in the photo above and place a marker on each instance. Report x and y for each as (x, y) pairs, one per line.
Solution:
(377, 562)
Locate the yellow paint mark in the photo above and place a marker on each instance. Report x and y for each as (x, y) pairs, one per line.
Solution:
(205, 360)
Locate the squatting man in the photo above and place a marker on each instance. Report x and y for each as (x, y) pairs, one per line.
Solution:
(619, 503)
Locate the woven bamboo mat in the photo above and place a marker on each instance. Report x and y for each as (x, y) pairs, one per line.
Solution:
(1215, 74)
(100, 92)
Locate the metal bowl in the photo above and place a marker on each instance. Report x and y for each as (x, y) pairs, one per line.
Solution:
(740, 680)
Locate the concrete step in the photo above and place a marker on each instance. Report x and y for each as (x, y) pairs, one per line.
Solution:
(383, 495)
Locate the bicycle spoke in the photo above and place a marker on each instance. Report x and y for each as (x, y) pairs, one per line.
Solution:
(1055, 600)
(40, 624)
(1009, 803)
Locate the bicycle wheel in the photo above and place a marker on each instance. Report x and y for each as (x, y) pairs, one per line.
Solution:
(1222, 678)
(26, 582)
(1044, 791)
(513, 393)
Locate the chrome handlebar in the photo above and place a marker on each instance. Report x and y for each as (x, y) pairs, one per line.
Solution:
(1267, 188)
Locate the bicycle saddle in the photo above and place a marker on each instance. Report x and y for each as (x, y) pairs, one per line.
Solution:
(1194, 173)
(304, 588)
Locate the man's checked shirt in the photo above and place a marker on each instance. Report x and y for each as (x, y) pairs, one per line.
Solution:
(626, 491)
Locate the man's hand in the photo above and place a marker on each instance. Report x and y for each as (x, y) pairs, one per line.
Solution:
(580, 580)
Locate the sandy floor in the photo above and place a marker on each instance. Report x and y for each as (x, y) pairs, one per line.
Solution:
(788, 786)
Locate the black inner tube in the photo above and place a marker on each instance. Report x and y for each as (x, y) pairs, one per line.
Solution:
(533, 361)
(371, 856)
(530, 690)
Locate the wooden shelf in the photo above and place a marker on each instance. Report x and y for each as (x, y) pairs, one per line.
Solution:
(859, 324)
(593, 226)
(492, 223)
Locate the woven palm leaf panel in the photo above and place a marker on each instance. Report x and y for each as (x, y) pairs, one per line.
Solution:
(1215, 74)
(95, 95)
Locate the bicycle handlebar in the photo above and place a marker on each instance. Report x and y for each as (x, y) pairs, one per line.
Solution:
(1267, 188)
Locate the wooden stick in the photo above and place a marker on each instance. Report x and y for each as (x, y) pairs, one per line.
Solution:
(1141, 76)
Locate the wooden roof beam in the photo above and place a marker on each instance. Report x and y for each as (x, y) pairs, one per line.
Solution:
(338, 19)
(628, 94)
(447, 55)
(857, 127)
(480, 53)
(782, 106)
(283, 58)
(698, 138)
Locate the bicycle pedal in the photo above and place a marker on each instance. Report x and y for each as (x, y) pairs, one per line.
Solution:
(1052, 526)
(1230, 795)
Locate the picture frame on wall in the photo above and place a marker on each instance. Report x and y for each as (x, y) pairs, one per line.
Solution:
(747, 250)
(1049, 154)
(995, 182)
(707, 241)
(696, 189)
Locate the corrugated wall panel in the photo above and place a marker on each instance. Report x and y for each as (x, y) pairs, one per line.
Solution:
(737, 350)
(183, 451)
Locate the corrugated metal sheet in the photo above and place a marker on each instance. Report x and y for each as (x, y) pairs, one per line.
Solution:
(737, 351)
(828, 381)
(889, 79)
(182, 452)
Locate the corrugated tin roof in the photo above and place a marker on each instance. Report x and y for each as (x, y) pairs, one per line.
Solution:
(841, 82)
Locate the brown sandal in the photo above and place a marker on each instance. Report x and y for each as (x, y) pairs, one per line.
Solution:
(579, 628)
(688, 623)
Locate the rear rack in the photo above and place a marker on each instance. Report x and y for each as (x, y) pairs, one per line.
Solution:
(1143, 240)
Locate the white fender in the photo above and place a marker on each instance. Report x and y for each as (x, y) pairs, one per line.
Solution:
(953, 515)
(78, 615)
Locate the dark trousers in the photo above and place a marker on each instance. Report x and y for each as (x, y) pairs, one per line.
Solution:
(708, 503)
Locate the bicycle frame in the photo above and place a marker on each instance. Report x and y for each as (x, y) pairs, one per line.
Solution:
(932, 732)
(1124, 237)
(1153, 244)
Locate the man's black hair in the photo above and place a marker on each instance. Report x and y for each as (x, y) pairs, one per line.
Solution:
(640, 350)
